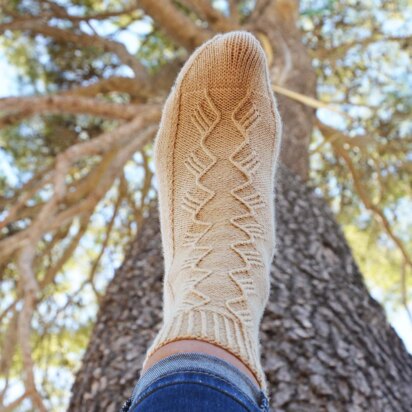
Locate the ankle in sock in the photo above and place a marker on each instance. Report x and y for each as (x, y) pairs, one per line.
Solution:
(215, 158)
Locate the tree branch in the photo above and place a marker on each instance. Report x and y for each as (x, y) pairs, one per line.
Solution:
(105, 243)
(306, 100)
(11, 407)
(139, 90)
(363, 193)
(131, 86)
(30, 289)
(38, 26)
(106, 141)
(234, 11)
(107, 178)
(9, 343)
(178, 26)
(217, 21)
(25, 193)
(68, 252)
(60, 12)
(23, 107)
(260, 8)
(340, 51)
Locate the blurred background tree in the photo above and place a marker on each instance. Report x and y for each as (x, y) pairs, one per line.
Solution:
(83, 84)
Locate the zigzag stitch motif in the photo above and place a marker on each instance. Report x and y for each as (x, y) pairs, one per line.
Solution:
(204, 117)
(245, 159)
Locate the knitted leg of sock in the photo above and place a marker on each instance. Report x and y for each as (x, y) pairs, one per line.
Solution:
(215, 157)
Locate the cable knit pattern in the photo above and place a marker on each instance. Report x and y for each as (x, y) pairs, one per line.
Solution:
(215, 157)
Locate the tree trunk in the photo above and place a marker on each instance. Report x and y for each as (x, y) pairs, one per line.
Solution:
(292, 69)
(326, 343)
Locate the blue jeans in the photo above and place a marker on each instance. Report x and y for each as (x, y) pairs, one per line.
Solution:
(188, 382)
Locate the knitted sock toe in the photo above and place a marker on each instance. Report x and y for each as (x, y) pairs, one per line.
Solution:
(215, 158)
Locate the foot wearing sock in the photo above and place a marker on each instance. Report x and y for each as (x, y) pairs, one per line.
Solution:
(215, 157)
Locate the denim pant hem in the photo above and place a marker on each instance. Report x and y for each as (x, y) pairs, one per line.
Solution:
(203, 370)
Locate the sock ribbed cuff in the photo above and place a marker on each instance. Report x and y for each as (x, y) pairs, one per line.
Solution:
(215, 328)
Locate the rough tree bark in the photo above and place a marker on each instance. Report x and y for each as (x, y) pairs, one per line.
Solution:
(327, 345)
(291, 68)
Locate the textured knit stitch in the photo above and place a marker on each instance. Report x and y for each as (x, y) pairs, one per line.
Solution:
(215, 158)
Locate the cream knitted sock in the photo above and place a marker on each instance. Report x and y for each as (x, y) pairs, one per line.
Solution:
(215, 158)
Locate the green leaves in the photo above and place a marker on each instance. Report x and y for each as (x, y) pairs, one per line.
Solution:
(321, 10)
